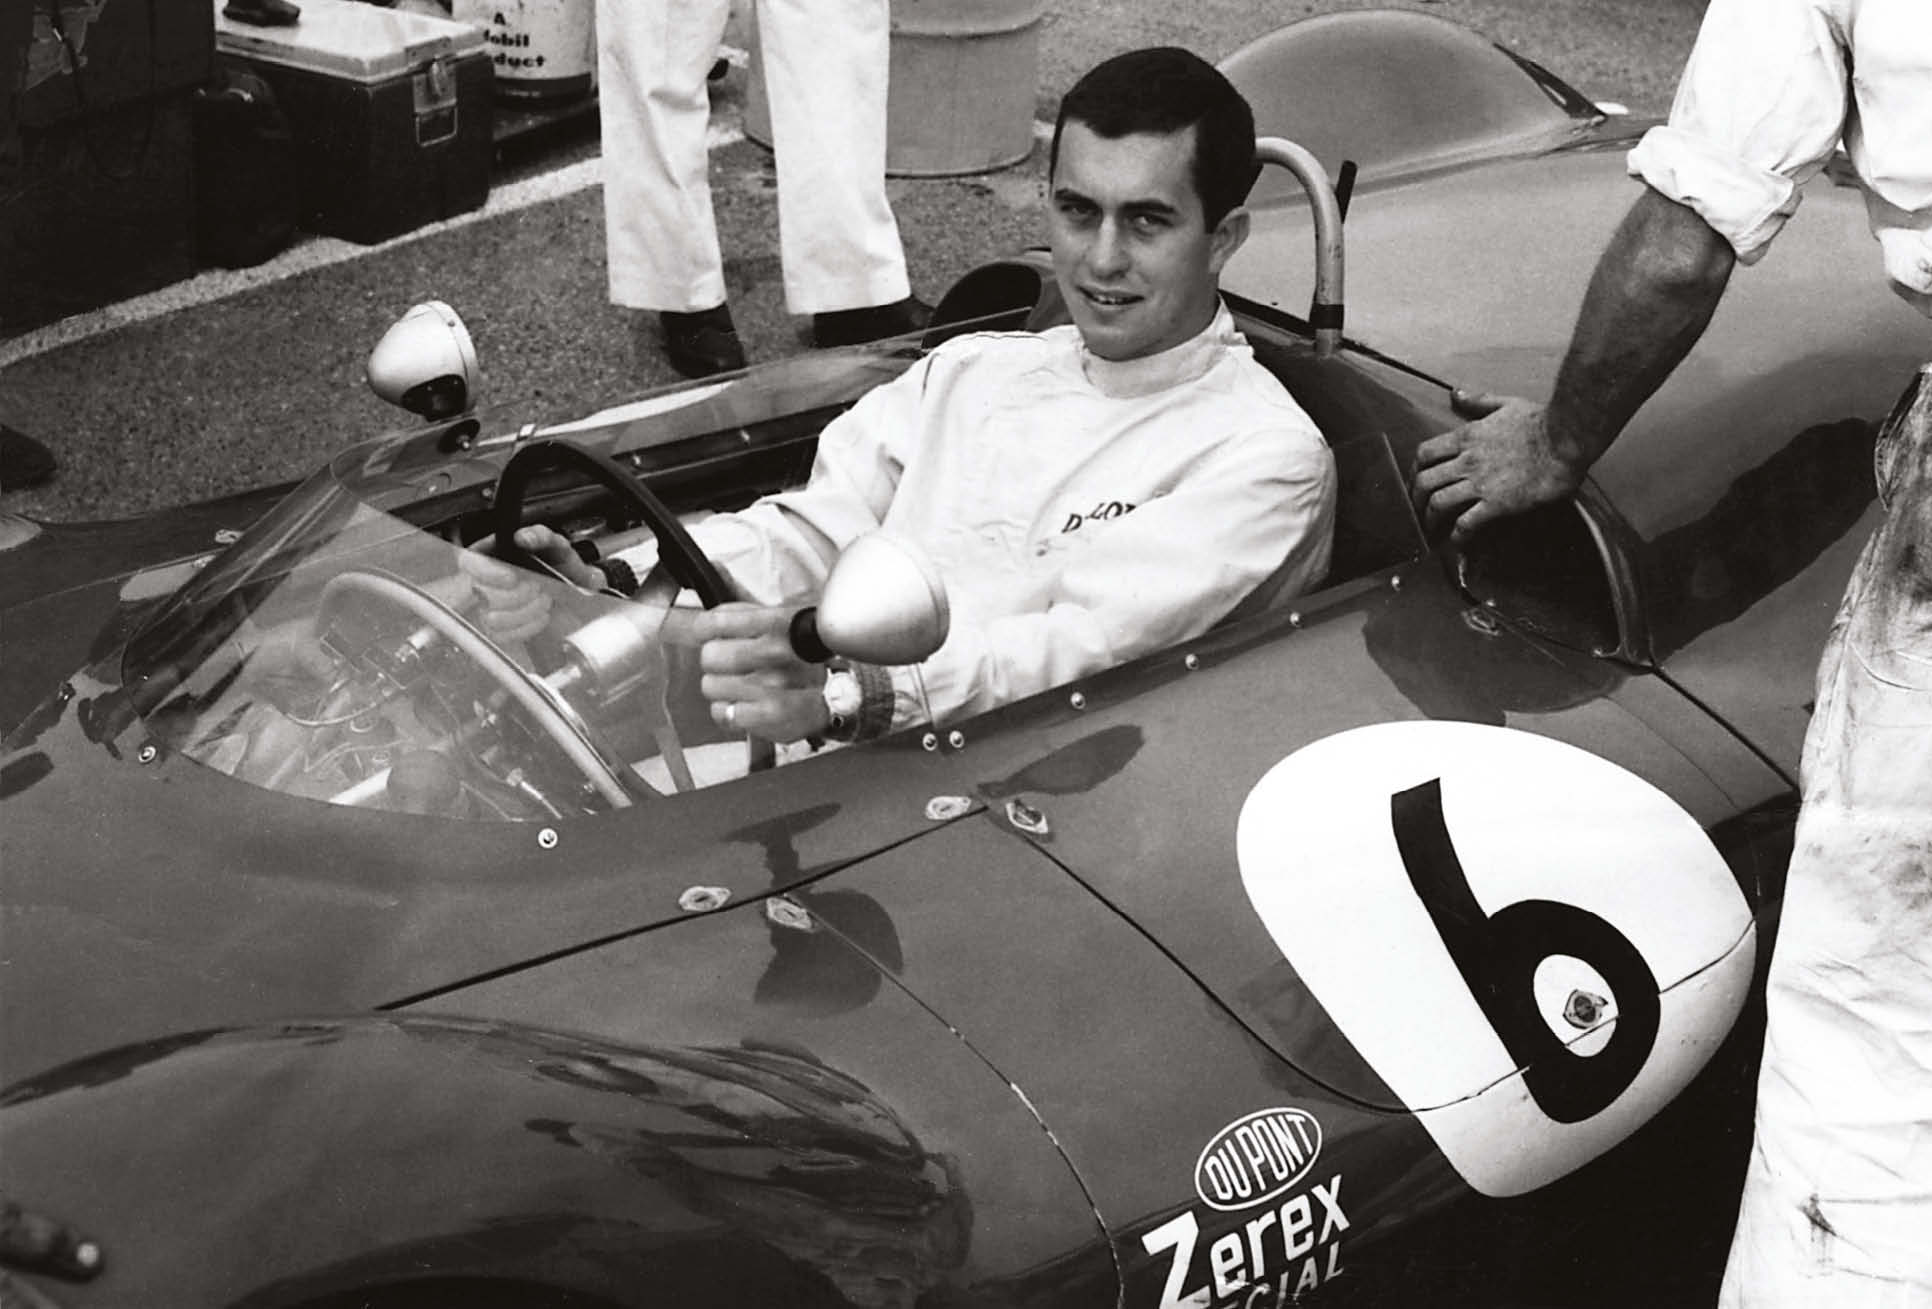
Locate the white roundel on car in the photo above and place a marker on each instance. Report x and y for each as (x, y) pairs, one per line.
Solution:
(1533, 947)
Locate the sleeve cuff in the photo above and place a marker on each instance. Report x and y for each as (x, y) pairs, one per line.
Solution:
(1745, 205)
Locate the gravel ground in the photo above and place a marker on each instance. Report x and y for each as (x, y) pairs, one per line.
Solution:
(235, 380)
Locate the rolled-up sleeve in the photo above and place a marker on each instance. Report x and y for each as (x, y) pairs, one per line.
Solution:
(1759, 110)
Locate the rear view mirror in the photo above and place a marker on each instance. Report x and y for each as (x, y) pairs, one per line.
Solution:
(426, 363)
(884, 603)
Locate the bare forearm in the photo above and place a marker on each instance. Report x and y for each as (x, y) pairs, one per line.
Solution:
(1654, 290)
(1652, 295)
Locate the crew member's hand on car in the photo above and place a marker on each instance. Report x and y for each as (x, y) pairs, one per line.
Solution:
(753, 680)
(1507, 461)
(516, 601)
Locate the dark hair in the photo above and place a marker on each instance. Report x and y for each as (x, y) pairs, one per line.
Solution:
(1162, 91)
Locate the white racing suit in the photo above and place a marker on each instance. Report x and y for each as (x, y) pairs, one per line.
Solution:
(825, 73)
(1837, 1207)
(1082, 512)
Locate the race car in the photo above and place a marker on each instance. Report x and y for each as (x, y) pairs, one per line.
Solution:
(1391, 941)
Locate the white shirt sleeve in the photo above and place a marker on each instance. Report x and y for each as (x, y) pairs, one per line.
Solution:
(1161, 574)
(1759, 110)
(780, 549)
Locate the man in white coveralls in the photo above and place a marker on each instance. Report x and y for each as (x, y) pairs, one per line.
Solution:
(825, 64)
(1837, 1206)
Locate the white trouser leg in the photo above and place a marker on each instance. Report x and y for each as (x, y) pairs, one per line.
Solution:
(655, 107)
(1837, 1204)
(825, 78)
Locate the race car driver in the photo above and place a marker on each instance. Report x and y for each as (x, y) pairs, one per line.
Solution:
(1089, 494)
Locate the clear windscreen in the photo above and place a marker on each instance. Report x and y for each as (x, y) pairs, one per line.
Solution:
(344, 651)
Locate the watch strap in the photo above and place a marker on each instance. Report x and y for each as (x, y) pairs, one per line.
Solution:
(876, 700)
(871, 714)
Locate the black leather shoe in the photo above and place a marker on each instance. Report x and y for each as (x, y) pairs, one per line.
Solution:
(875, 322)
(263, 13)
(703, 343)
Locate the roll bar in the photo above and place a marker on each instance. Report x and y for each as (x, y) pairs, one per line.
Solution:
(1325, 307)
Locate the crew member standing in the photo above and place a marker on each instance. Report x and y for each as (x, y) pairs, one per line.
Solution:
(1837, 1205)
(825, 72)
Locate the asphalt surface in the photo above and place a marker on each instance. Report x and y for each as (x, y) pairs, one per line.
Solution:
(237, 379)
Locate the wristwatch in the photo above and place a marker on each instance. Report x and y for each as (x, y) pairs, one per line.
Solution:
(843, 700)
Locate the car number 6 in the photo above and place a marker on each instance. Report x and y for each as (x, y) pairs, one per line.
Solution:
(1531, 946)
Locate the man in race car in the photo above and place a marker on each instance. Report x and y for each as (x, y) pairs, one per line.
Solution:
(1090, 493)
(1837, 1203)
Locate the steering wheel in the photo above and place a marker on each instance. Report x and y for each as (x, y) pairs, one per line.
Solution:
(676, 549)
(551, 713)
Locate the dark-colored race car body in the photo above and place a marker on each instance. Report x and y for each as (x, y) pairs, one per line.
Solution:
(1363, 945)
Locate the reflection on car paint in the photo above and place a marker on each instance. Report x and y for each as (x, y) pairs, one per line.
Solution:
(783, 1146)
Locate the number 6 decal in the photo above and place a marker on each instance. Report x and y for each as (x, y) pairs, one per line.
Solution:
(1497, 955)
(1533, 948)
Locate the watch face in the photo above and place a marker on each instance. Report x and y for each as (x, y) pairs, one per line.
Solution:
(842, 694)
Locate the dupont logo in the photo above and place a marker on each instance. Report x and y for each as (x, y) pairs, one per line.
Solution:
(1256, 1158)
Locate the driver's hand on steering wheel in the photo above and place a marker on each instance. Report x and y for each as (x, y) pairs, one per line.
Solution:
(751, 677)
(516, 604)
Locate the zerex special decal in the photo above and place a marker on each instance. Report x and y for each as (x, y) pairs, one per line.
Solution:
(1258, 1252)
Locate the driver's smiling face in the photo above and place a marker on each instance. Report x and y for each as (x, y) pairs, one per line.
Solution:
(1132, 251)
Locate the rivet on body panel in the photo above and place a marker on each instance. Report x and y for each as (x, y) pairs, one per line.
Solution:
(1395, 581)
(147, 754)
(547, 839)
(1192, 662)
(956, 739)
(1294, 618)
(1028, 819)
(703, 899)
(227, 535)
(1077, 700)
(930, 740)
(784, 912)
(945, 808)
